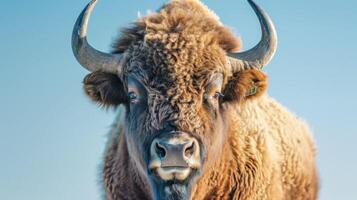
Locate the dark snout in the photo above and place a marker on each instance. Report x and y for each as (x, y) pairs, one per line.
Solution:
(174, 155)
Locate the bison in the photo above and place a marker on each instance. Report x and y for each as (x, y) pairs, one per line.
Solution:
(195, 121)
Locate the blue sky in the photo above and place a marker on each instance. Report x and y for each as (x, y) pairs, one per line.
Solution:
(52, 136)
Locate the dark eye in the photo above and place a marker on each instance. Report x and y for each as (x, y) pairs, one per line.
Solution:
(217, 95)
(133, 98)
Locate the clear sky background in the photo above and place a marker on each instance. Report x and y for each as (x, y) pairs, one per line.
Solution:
(52, 137)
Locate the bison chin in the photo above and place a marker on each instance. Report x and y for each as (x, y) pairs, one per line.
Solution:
(174, 188)
(171, 190)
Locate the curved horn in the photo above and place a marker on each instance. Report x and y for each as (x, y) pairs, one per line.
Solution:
(263, 52)
(87, 56)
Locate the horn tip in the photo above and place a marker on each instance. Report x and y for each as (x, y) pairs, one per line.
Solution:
(251, 2)
(254, 5)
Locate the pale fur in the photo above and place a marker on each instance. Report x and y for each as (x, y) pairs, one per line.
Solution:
(279, 148)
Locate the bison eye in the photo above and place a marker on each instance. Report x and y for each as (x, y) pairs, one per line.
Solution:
(133, 98)
(215, 96)
(218, 95)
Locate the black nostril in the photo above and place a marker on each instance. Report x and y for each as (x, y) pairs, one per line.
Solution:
(189, 149)
(160, 150)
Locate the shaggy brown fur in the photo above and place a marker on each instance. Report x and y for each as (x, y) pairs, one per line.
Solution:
(237, 89)
(255, 149)
(104, 88)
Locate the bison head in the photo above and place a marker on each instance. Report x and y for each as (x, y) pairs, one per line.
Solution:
(177, 75)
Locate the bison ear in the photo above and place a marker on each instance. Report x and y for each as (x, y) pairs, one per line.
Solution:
(104, 88)
(245, 85)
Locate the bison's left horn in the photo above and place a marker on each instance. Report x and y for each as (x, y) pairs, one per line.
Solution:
(87, 56)
(263, 52)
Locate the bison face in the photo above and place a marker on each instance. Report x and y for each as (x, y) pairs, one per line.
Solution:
(172, 136)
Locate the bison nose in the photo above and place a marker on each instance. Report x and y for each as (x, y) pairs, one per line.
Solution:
(174, 155)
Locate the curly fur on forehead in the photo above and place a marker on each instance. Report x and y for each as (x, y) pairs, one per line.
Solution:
(184, 18)
(180, 45)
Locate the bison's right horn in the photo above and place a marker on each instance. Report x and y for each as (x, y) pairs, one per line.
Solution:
(87, 56)
(263, 52)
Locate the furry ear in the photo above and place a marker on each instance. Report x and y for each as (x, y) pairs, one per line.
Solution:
(245, 85)
(104, 88)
